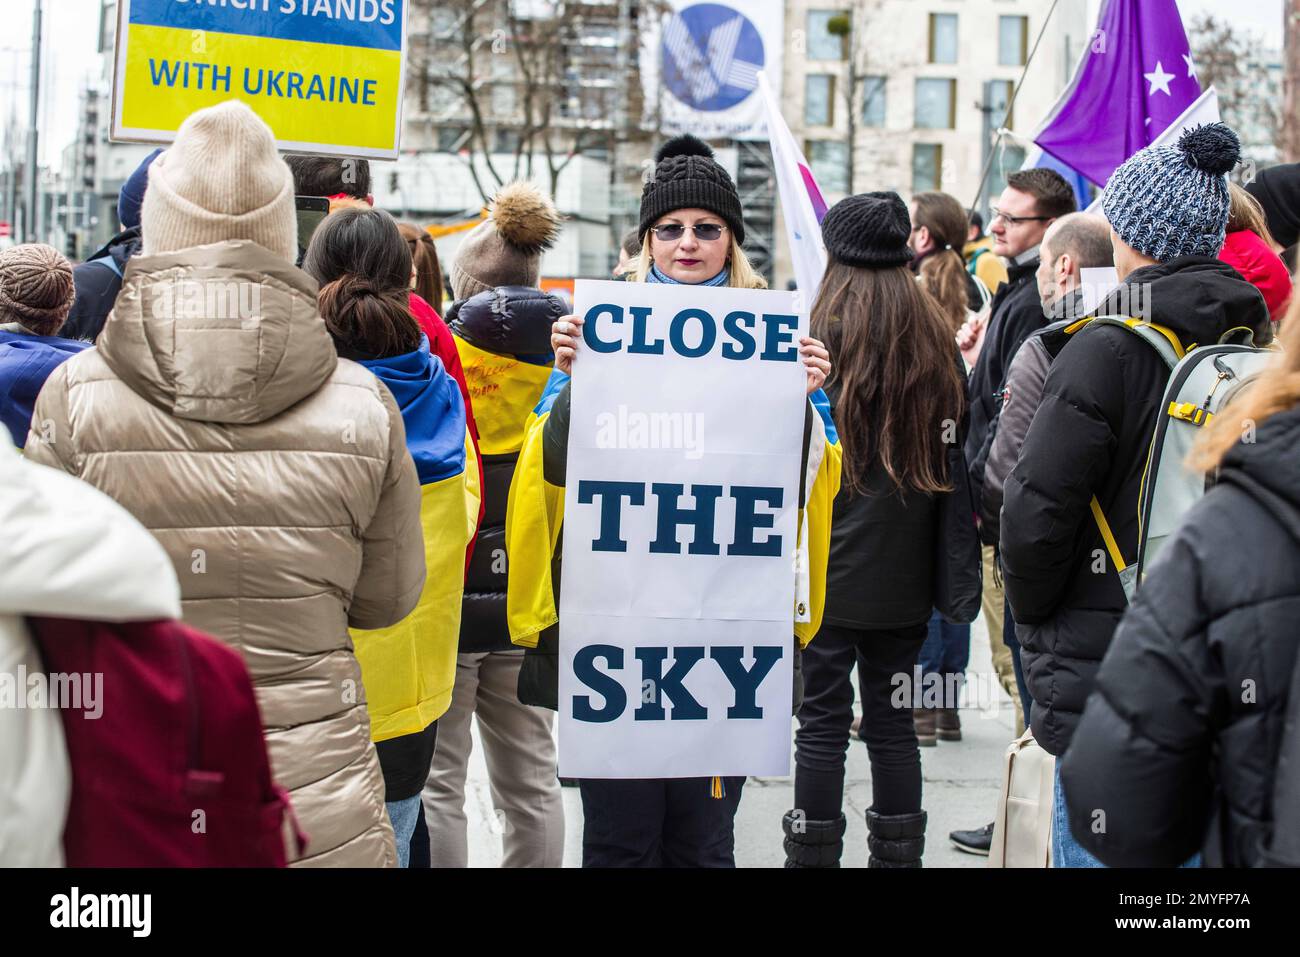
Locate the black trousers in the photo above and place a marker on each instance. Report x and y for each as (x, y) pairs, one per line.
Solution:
(883, 658)
(659, 822)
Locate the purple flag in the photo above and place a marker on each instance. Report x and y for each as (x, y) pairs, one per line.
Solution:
(1136, 78)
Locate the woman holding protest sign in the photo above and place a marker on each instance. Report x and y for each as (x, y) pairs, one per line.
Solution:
(692, 230)
(898, 397)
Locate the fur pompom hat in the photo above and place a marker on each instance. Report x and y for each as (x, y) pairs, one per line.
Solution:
(506, 248)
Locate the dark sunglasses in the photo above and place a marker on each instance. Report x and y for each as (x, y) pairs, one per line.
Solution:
(704, 232)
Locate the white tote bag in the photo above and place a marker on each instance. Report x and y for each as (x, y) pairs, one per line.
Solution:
(1022, 828)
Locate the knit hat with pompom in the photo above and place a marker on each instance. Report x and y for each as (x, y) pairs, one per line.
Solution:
(506, 248)
(36, 288)
(1171, 201)
(686, 176)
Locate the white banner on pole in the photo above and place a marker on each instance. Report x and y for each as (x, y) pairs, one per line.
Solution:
(681, 504)
(700, 66)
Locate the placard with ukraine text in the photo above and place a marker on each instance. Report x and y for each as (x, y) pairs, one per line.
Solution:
(326, 75)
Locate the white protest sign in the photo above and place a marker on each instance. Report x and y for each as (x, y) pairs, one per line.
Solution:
(681, 505)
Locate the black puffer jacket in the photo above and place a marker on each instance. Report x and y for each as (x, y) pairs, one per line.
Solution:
(513, 322)
(1179, 743)
(1090, 436)
(97, 285)
(1016, 313)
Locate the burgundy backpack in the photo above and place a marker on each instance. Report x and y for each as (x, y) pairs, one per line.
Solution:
(173, 772)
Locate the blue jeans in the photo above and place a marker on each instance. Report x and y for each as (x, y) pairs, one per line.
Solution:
(403, 815)
(1013, 644)
(945, 652)
(1066, 851)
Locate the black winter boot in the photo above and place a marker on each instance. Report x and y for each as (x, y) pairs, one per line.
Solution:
(813, 843)
(895, 840)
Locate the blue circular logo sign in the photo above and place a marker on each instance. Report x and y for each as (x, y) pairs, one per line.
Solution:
(711, 55)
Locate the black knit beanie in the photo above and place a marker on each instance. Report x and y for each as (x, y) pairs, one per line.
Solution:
(869, 230)
(686, 176)
(1278, 191)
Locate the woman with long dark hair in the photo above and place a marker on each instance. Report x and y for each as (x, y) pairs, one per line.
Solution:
(898, 400)
(364, 268)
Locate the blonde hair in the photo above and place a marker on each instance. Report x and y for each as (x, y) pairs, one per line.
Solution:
(742, 272)
(1246, 213)
(1276, 390)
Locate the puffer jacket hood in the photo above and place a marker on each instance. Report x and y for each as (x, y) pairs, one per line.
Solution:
(1268, 469)
(170, 338)
(509, 319)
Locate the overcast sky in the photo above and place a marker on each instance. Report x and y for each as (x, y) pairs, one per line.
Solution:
(71, 26)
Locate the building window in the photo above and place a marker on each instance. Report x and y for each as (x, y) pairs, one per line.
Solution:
(1009, 159)
(999, 99)
(505, 141)
(936, 104)
(822, 44)
(873, 101)
(927, 167)
(452, 138)
(1013, 40)
(829, 160)
(943, 38)
(819, 100)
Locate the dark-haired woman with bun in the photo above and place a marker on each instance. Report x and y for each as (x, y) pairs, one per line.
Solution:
(692, 230)
(364, 267)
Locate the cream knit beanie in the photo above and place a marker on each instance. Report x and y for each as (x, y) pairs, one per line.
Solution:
(222, 178)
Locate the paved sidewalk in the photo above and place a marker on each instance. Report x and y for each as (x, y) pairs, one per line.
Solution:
(960, 788)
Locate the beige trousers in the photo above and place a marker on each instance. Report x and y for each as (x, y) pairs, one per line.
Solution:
(527, 809)
(994, 608)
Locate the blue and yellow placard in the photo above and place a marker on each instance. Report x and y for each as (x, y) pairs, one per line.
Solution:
(326, 75)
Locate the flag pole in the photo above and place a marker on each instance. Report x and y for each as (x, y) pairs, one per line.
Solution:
(1011, 102)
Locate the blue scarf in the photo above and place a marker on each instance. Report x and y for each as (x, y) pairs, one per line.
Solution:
(654, 275)
(432, 410)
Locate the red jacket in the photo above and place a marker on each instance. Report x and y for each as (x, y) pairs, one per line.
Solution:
(443, 345)
(1247, 253)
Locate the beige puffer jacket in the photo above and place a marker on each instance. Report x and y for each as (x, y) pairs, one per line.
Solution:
(276, 476)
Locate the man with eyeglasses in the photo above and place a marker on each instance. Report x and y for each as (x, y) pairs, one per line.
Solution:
(1032, 201)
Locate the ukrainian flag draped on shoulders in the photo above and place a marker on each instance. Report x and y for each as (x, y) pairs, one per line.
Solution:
(409, 668)
(536, 512)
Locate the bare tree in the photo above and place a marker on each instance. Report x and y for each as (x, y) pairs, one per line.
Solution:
(1226, 59)
(1290, 140)
(518, 68)
(852, 27)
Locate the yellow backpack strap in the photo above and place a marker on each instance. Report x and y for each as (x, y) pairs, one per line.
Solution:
(1163, 340)
(1112, 547)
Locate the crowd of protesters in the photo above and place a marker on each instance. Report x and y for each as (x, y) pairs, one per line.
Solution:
(312, 471)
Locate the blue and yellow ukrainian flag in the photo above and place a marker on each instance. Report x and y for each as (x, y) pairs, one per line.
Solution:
(409, 668)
